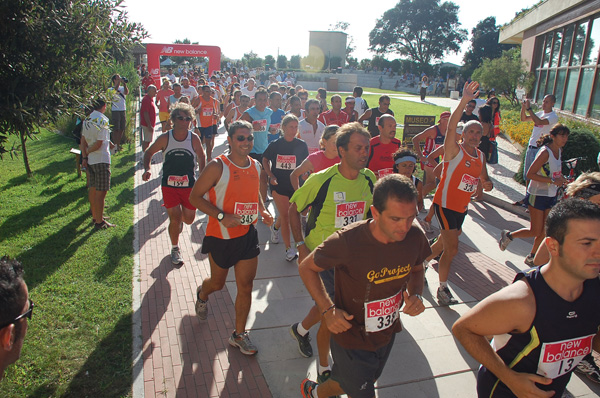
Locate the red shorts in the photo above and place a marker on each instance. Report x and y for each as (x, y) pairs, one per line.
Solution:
(177, 196)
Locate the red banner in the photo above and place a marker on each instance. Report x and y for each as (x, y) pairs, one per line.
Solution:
(155, 50)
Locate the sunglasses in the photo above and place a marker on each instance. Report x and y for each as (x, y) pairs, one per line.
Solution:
(242, 138)
(26, 314)
(186, 118)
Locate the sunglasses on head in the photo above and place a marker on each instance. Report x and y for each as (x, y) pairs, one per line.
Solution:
(186, 118)
(242, 138)
(26, 314)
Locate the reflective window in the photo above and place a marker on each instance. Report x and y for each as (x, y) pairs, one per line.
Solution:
(585, 90)
(547, 49)
(541, 85)
(596, 103)
(566, 48)
(555, 49)
(570, 89)
(591, 54)
(579, 43)
(550, 84)
(560, 85)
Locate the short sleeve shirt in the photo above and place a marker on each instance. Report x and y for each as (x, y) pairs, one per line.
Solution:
(148, 106)
(367, 272)
(542, 129)
(285, 156)
(311, 136)
(95, 128)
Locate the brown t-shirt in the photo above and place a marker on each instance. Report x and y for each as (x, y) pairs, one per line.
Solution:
(369, 279)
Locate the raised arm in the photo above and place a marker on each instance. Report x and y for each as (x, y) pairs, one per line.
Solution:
(451, 148)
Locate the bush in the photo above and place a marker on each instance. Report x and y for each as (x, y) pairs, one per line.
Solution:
(511, 125)
(582, 142)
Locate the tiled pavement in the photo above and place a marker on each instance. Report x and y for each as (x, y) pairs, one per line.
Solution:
(184, 357)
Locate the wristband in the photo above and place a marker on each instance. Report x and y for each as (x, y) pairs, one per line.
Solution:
(298, 244)
(328, 309)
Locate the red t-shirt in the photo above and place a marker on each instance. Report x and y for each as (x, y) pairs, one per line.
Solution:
(328, 118)
(148, 106)
(320, 161)
(381, 161)
(146, 81)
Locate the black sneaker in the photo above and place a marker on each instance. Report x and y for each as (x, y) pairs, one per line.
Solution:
(303, 341)
(588, 367)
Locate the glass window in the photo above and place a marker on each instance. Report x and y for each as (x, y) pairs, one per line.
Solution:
(560, 85)
(550, 85)
(566, 47)
(585, 91)
(570, 89)
(555, 49)
(595, 113)
(547, 49)
(541, 85)
(539, 50)
(579, 42)
(591, 55)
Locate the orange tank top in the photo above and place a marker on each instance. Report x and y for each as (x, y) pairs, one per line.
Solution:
(206, 110)
(236, 192)
(460, 177)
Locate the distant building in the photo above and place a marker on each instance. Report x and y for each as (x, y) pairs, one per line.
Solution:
(560, 40)
(329, 44)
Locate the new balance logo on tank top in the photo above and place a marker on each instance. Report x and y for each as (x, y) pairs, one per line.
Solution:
(180, 163)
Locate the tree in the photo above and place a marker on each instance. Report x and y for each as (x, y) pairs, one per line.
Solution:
(56, 55)
(282, 62)
(191, 60)
(505, 74)
(423, 30)
(484, 44)
(350, 47)
(295, 61)
(270, 60)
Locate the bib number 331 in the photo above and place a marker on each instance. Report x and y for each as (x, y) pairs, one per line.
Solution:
(348, 213)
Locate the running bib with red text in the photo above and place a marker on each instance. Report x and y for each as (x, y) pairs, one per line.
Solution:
(348, 213)
(274, 127)
(248, 211)
(178, 181)
(560, 357)
(207, 111)
(381, 314)
(259, 125)
(468, 183)
(383, 172)
(286, 162)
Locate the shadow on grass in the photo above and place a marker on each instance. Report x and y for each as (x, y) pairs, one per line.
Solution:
(107, 371)
(115, 252)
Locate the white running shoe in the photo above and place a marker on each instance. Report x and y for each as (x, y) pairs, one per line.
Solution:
(275, 235)
(291, 254)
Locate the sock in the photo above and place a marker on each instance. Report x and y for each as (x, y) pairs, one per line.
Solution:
(322, 369)
(174, 247)
(509, 235)
(444, 284)
(300, 329)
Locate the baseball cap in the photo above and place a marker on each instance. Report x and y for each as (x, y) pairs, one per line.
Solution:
(445, 115)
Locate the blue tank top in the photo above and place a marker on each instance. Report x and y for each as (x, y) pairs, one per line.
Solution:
(559, 337)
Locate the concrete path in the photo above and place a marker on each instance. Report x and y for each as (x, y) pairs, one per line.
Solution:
(181, 356)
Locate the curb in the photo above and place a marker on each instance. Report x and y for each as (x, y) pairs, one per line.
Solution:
(517, 210)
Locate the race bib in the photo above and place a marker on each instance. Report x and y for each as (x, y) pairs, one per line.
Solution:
(383, 172)
(468, 183)
(286, 162)
(556, 175)
(348, 213)
(561, 357)
(274, 128)
(381, 314)
(259, 125)
(313, 150)
(248, 211)
(178, 181)
(207, 111)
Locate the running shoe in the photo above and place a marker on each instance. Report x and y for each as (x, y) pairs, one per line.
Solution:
(504, 240)
(427, 227)
(291, 254)
(588, 367)
(274, 234)
(303, 341)
(308, 388)
(444, 296)
(242, 341)
(201, 305)
(529, 260)
(176, 258)
(323, 377)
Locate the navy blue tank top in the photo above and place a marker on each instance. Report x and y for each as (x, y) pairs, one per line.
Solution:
(559, 337)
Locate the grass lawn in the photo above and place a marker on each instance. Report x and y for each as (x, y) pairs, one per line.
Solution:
(79, 341)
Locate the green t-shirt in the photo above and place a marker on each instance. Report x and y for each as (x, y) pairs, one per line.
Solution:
(335, 202)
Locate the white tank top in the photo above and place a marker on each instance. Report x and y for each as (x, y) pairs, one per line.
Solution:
(552, 168)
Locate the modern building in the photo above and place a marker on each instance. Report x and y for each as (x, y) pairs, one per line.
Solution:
(326, 45)
(560, 40)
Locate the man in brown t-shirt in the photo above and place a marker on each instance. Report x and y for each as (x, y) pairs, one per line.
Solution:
(378, 267)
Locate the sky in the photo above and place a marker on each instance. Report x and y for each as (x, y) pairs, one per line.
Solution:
(272, 27)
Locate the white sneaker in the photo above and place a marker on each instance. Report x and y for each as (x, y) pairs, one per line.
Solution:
(275, 235)
(504, 240)
(291, 254)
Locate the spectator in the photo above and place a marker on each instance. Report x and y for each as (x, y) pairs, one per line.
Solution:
(162, 100)
(118, 107)
(148, 117)
(361, 105)
(147, 80)
(423, 87)
(15, 306)
(468, 112)
(322, 98)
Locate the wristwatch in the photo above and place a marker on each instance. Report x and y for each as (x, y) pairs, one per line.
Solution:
(220, 216)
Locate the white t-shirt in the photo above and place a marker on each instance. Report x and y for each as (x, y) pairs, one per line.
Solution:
(95, 128)
(310, 136)
(190, 92)
(172, 78)
(249, 93)
(118, 98)
(360, 106)
(479, 102)
(538, 131)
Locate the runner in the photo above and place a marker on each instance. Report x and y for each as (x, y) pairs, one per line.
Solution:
(338, 196)
(545, 176)
(162, 100)
(260, 117)
(545, 322)
(382, 271)
(349, 109)
(310, 128)
(405, 162)
(237, 111)
(234, 103)
(320, 160)
(383, 146)
(335, 115)
(463, 168)
(233, 206)
(373, 115)
(277, 116)
(280, 158)
(207, 114)
(295, 106)
(174, 98)
(434, 138)
(182, 154)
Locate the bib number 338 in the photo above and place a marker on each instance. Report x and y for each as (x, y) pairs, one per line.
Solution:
(381, 314)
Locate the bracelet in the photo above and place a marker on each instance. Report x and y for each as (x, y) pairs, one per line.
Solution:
(298, 244)
(328, 309)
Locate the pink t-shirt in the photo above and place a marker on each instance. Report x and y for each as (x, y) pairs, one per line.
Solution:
(320, 161)
(148, 106)
(163, 99)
